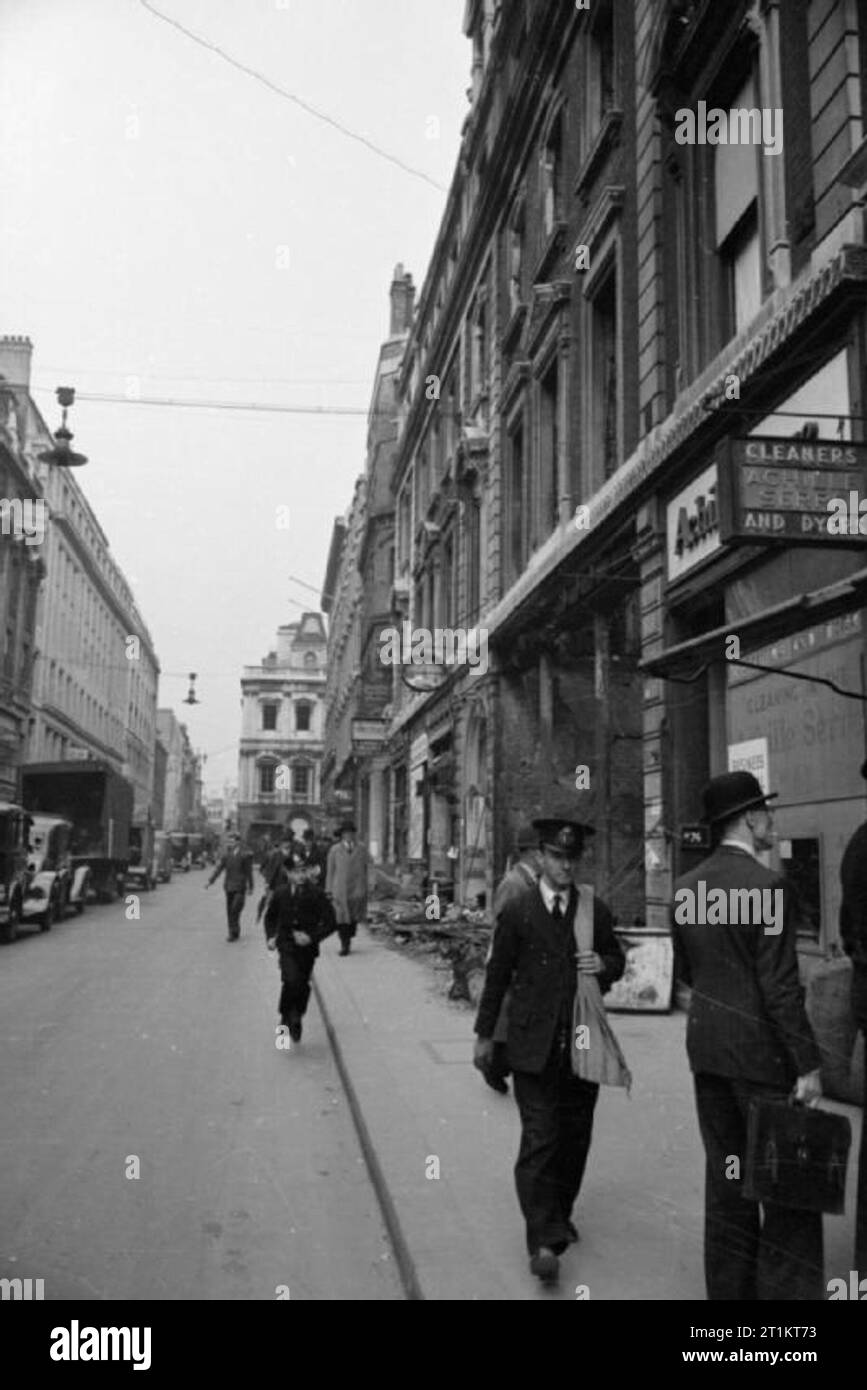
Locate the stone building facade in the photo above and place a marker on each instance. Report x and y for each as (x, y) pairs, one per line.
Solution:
(280, 764)
(23, 434)
(612, 318)
(359, 598)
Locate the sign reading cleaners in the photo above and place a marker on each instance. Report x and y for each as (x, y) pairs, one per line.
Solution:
(780, 489)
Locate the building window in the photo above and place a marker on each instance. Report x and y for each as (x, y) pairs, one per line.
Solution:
(604, 382)
(447, 580)
(267, 773)
(269, 716)
(552, 176)
(516, 552)
(516, 257)
(310, 659)
(549, 450)
(302, 718)
(599, 94)
(301, 781)
(474, 559)
(737, 182)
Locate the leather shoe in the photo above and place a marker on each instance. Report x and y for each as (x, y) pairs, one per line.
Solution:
(344, 951)
(545, 1265)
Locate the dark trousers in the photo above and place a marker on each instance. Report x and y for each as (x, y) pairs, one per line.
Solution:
(556, 1125)
(751, 1251)
(859, 1009)
(296, 969)
(346, 933)
(234, 908)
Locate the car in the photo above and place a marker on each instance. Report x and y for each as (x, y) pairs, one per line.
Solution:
(53, 885)
(14, 874)
(163, 857)
(180, 850)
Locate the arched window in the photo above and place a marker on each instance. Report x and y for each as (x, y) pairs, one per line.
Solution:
(302, 781)
(310, 659)
(267, 775)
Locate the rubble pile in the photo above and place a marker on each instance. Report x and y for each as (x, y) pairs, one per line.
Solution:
(459, 940)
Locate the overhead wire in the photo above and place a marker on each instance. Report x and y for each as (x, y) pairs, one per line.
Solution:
(291, 96)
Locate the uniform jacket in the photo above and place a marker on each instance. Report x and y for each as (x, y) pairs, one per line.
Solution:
(238, 866)
(536, 955)
(299, 907)
(346, 881)
(746, 1015)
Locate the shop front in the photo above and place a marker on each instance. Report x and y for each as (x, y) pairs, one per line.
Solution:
(763, 654)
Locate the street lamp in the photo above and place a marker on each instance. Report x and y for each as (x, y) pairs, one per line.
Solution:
(62, 455)
(190, 698)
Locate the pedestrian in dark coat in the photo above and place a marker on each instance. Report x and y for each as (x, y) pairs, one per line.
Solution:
(346, 883)
(747, 1035)
(853, 931)
(521, 877)
(534, 951)
(298, 917)
(237, 864)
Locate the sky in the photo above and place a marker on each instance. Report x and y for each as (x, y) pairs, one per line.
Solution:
(172, 227)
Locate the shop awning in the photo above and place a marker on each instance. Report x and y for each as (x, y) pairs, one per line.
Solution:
(762, 628)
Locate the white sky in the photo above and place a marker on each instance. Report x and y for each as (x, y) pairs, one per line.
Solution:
(148, 191)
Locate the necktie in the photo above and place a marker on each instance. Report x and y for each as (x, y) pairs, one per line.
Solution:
(556, 910)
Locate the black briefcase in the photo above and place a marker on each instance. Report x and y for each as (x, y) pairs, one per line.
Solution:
(796, 1155)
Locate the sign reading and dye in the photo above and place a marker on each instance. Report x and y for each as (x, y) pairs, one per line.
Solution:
(774, 489)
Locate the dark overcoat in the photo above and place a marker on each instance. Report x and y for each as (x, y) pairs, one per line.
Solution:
(746, 1015)
(300, 907)
(537, 956)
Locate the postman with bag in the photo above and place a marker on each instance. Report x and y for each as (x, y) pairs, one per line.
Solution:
(546, 939)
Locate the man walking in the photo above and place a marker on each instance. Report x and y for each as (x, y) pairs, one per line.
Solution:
(298, 917)
(747, 1035)
(237, 863)
(346, 883)
(853, 930)
(534, 950)
(521, 877)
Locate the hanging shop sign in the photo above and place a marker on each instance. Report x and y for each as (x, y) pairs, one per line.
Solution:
(692, 525)
(794, 490)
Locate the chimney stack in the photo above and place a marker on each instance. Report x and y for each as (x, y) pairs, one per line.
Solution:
(402, 301)
(15, 354)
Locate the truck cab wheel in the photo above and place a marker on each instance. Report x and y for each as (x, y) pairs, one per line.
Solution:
(9, 930)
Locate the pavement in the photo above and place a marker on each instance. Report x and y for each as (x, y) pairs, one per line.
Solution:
(440, 1147)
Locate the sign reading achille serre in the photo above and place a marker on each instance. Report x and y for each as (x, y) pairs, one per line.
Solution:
(780, 489)
(692, 524)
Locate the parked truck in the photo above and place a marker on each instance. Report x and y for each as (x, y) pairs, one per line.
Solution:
(99, 804)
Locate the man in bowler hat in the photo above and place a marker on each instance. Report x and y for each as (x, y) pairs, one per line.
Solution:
(534, 951)
(853, 931)
(747, 1035)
